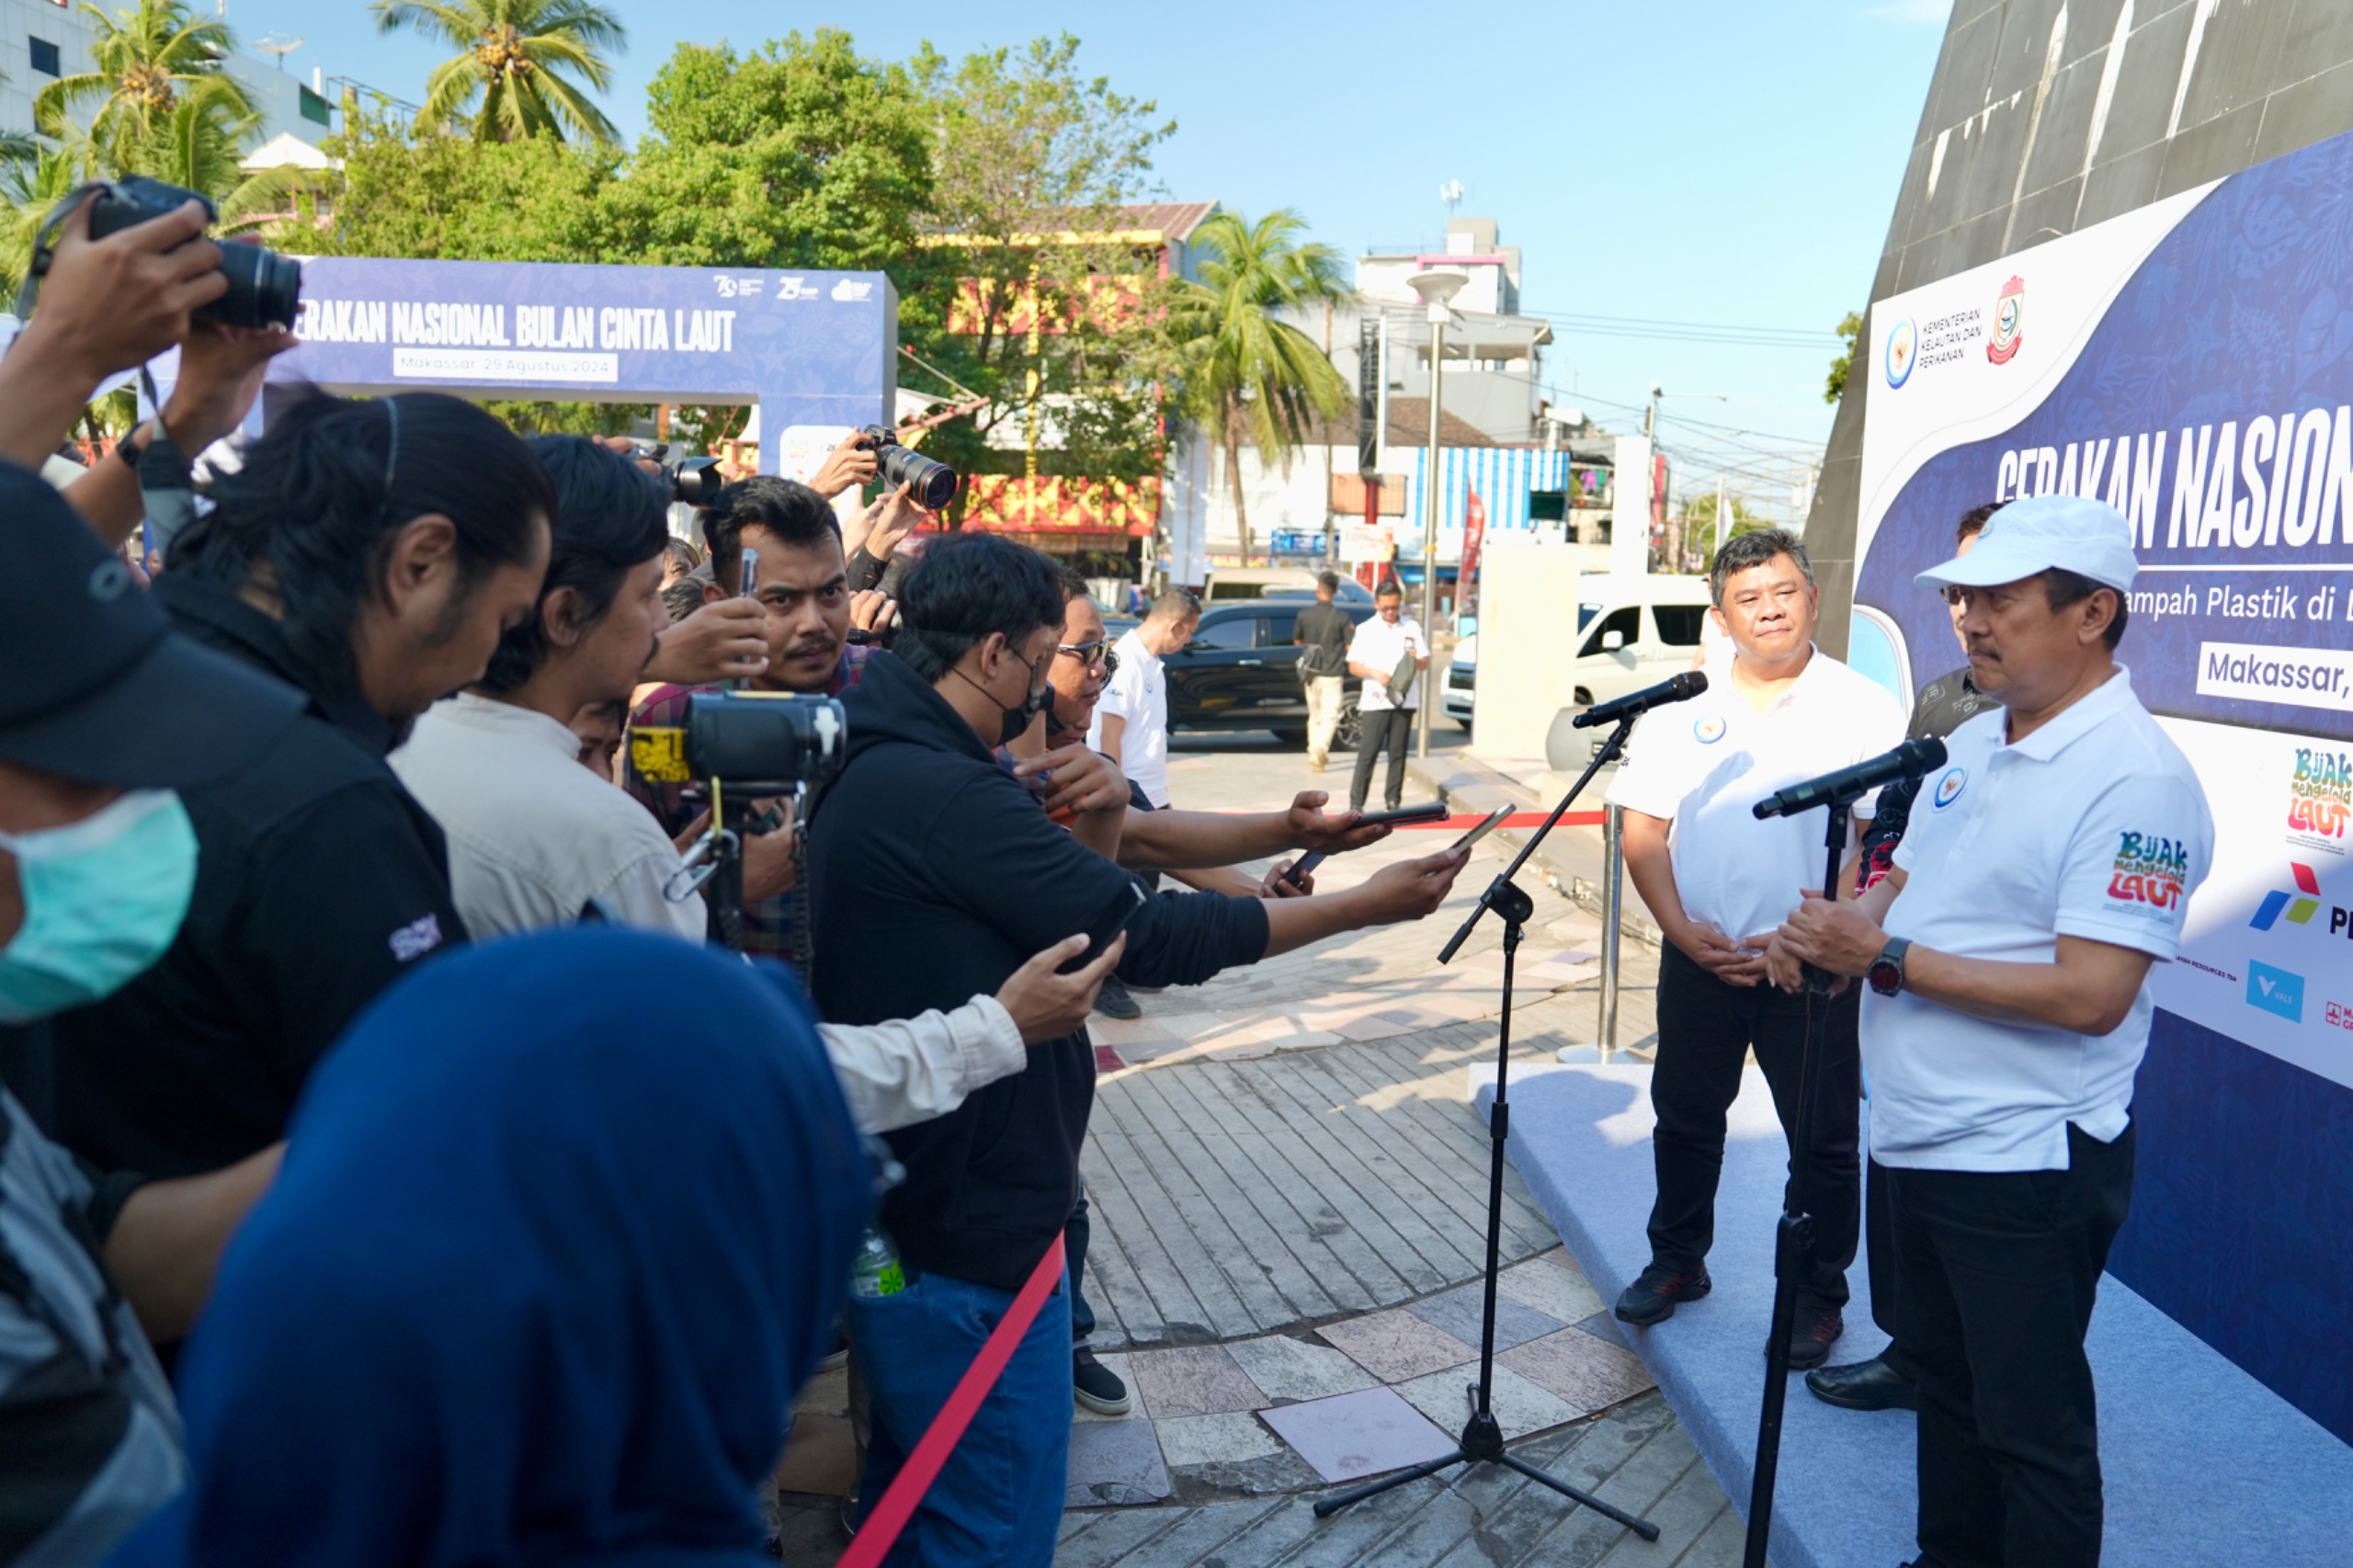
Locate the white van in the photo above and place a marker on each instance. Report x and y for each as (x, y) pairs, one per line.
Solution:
(1638, 631)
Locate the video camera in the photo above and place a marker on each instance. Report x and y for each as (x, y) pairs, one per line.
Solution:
(746, 743)
(265, 288)
(935, 482)
(694, 481)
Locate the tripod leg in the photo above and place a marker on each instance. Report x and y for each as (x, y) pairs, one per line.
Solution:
(1331, 1505)
(1641, 1527)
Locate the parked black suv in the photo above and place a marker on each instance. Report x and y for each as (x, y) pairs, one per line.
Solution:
(1241, 672)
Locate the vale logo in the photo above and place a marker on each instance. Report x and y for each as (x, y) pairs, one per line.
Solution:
(2276, 991)
(2299, 906)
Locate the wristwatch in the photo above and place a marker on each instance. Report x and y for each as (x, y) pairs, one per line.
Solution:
(1886, 972)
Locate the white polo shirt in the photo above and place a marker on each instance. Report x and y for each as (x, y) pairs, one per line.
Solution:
(1138, 693)
(1378, 645)
(1704, 763)
(2092, 826)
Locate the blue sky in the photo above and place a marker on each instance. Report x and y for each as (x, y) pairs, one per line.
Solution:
(1711, 161)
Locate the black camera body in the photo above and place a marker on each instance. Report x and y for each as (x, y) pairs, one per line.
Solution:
(265, 288)
(697, 482)
(935, 482)
(750, 743)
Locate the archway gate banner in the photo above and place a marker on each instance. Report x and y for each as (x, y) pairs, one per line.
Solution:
(810, 349)
(2191, 363)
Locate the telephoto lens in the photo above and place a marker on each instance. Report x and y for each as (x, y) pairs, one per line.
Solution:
(265, 288)
(934, 481)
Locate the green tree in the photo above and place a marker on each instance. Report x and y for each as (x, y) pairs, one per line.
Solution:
(409, 191)
(31, 187)
(1833, 386)
(1247, 371)
(518, 58)
(149, 61)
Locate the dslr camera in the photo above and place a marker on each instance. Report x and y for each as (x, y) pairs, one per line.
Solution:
(694, 481)
(935, 482)
(265, 288)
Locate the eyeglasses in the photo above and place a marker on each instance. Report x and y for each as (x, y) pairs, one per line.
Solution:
(1095, 652)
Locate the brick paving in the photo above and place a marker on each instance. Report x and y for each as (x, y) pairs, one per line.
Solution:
(1289, 1190)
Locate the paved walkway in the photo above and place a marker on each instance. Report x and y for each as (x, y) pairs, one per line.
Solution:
(1289, 1193)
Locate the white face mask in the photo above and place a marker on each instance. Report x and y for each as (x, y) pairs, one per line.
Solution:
(104, 897)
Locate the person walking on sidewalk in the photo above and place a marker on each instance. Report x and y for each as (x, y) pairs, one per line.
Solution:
(1377, 655)
(1323, 632)
(1132, 720)
(1777, 711)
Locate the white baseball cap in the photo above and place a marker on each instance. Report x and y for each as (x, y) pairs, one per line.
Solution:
(2026, 538)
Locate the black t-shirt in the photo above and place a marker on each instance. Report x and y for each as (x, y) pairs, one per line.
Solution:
(320, 880)
(1324, 630)
(1943, 706)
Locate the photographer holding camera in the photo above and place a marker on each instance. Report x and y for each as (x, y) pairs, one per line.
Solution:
(934, 873)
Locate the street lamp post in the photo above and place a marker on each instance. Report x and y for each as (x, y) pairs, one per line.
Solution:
(1435, 289)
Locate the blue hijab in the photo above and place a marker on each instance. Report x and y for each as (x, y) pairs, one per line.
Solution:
(563, 1227)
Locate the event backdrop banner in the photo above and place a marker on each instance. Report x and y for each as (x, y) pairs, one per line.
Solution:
(2191, 363)
(812, 349)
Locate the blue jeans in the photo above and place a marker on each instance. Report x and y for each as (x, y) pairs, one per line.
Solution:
(999, 1501)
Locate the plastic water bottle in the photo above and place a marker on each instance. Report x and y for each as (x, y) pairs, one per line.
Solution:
(876, 1271)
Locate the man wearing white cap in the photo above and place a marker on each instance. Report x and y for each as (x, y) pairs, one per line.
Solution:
(2044, 868)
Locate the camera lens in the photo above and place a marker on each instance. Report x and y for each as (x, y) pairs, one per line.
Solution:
(934, 481)
(696, 480)
(264, 288)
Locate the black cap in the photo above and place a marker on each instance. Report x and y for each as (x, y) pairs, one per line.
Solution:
(97, 684)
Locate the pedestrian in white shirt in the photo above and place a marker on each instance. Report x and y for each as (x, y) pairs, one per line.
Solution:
(1376, 654)
(534, 838)
(1131, 724)
(2045, 868)
(1777, 711)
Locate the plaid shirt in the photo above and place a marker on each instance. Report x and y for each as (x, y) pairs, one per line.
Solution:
(767, 924)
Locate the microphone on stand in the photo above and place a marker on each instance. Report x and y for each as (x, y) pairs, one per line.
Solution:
(1682, 689)
(1907, 761)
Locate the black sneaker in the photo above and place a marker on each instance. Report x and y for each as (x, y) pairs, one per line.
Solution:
(1097, 1387)
(1113, 1001)
(1652, 1296)
(1818, 1328)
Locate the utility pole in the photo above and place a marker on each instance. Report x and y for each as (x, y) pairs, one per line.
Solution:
(1436, 289)
(1723, 517)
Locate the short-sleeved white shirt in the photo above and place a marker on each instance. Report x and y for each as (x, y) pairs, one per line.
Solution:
(1378, 645)
(2093, 826)
(1138, 693)
(1704, 763)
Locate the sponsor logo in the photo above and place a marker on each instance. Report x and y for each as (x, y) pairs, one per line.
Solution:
(2276, 991)
(1708, 732)
(797, 289)
(416, 938)
(2320, 800)
(1950, 786)
(2148, 869)
(2008, 311)
(2339, 1016)
(1902, 349)
(2299, 906)
(2207, 969)
(851, 291)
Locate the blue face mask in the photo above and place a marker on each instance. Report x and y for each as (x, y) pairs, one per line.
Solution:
(103, 898)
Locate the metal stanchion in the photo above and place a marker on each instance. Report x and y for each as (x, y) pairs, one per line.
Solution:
(1613, 877)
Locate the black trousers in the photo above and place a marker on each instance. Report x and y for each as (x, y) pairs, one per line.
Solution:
(1706, 1028)
(1391, 728)
(1999, 1273)
(1878, 1256)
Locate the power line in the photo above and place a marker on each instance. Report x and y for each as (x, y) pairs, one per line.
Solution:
(1721, 334)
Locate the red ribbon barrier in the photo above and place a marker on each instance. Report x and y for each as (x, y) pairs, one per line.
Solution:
(1518, 819)
(880, 1531)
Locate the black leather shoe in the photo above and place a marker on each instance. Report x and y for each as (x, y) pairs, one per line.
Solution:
(1818, 1328)
(1652, 1296)
(1864, 1385)
(1113, 1001)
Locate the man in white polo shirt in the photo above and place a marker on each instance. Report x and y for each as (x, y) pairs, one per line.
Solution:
(2045, 868)
(1777, 711)
(1132, 720)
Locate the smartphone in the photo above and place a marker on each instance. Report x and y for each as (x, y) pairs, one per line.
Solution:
(1115, 920)
(1435, 811)
(1493, 821)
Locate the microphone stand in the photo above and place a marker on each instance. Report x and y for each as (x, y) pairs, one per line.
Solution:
(1794, 1240)
(1482, 1438)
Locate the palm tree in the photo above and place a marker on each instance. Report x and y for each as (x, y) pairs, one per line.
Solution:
(30, 190)
(149, 59)
(1246, 369)
(518, 55)
(199, 147)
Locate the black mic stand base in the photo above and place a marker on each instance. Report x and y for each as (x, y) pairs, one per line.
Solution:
(1482, 1438)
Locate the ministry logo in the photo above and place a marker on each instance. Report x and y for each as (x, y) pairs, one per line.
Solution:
(1902, 349)
(2008, 311)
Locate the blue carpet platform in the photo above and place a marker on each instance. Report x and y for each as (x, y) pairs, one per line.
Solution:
(2204, 1465)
